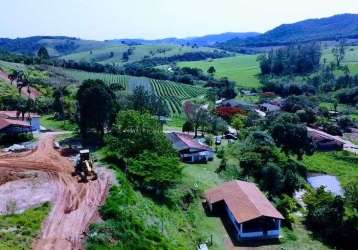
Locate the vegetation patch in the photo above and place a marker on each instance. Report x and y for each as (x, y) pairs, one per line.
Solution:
(19, 231)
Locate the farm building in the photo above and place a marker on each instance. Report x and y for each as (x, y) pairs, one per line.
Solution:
(32, 118)
(324, 141)
(11, 126)
(191, 150)
(250, 213)
(233, 103)
(268, 107)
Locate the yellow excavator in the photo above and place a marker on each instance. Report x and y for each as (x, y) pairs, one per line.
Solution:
(84, 168)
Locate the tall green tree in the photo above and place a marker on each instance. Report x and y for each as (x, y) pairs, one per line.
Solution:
(133, 133)
(43, 53)
(291, 135)
(95, 100)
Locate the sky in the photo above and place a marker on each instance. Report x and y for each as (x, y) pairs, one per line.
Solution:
(151, 19)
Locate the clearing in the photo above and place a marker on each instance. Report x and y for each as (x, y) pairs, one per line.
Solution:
(74, 206)
(243, 69)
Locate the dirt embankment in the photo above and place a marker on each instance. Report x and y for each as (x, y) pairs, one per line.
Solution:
(74, 205)
(30, 92)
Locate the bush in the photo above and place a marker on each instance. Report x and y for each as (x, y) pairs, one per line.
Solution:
(9, 139)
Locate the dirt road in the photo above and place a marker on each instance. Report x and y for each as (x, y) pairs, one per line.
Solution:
(75, 205)
(34, 93)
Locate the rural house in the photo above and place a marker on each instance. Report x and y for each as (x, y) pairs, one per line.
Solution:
(233, 103)
(268, 107)
(10, 126)
(32, 118)
(325, 142)
(250, 213)
(191, 150)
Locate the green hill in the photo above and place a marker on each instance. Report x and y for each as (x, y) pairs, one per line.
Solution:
(243, 69)
(329, 29)
(172, 93)
(56, 45)
(114, 54)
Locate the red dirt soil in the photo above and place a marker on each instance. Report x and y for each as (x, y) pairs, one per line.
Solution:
(76, 204)
(34, 93)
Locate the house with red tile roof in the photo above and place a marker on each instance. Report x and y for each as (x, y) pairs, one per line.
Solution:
(251, 214)
(32, 118)
(11, 126)
(191, 150)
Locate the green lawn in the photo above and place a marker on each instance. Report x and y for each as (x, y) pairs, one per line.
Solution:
(49, 122)
(341, 164)
(20, 231)
(243, 69)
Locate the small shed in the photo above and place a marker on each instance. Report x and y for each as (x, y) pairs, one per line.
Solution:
(324, 141)
(268, 107)
(10, 127)
(191, 150)
(251, 214)
(32, 118)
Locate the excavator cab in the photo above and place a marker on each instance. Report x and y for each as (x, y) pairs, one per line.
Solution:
(84, 168)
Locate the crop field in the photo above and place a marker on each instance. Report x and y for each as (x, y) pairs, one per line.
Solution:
(80, 76)
(174, 93)
(114, 54)
(243, 69)
(7, 66)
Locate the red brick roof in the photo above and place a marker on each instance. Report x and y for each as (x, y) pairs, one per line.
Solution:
(14, 114)
(244, 199)
(187, 141)
(8, 122)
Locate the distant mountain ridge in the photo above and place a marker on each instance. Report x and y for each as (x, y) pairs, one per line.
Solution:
(330, 28)
(56, 45)
(207, 40)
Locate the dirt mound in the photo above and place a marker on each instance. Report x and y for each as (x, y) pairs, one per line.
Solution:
(75, 205)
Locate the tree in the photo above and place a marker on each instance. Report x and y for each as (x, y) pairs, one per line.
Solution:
(197, 115)
(142, 101)
(133, 133)
(238, 122)
(291, 135)
(153, 172)
(187, 127)
(95, 100)
(339, 52)
(211, 70)
(43, 53)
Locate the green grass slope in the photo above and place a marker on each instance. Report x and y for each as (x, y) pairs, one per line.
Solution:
(19, 231)
(140, 52)
(243, 69)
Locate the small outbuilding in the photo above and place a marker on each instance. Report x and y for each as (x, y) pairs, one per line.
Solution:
(31, 118)
(11, 127)
(324, 141)
(191, 150)
(251, 214)
(268, 107)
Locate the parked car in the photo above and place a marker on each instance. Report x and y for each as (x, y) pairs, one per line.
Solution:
(218, 140)
(230, 137)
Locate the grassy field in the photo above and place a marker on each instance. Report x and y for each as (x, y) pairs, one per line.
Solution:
(114, 54)
(242, 69)
(18, 232)
(341, 164)
(350, 59)
(49, 122)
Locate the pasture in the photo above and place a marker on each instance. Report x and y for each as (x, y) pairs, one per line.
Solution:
(114, 54)
(243, 69)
